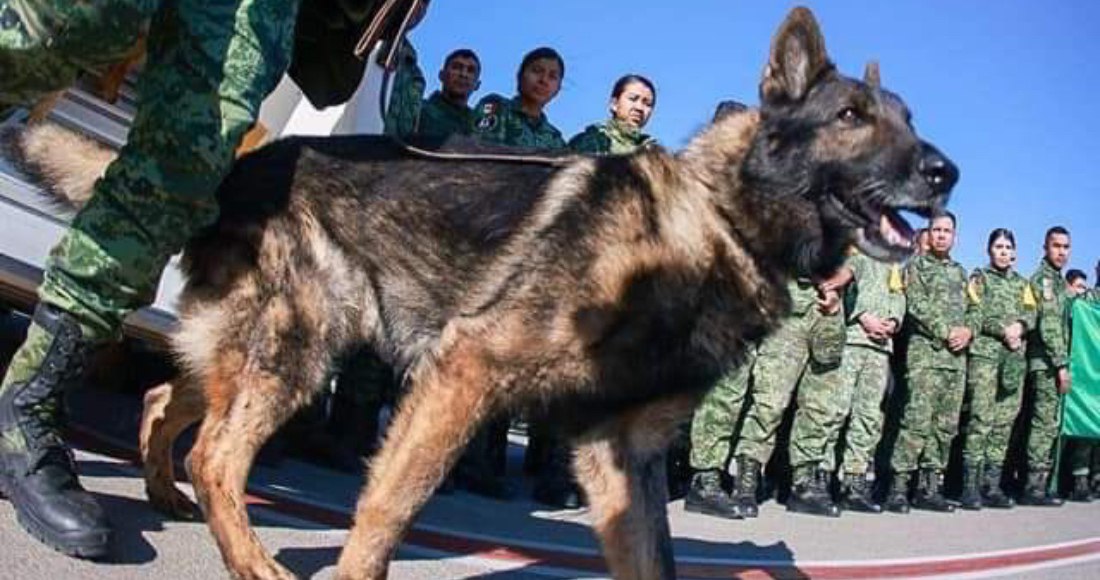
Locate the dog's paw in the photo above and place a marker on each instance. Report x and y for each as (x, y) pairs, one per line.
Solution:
(174, 504)
(261, 569)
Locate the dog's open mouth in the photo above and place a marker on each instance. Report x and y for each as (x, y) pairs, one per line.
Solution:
(881, 231)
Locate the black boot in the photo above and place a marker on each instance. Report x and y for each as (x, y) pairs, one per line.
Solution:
(860, 494)
(475, 472)
(37, 470)
(555, 486)
(897, 500)
(745, 486)
(929, 495)
(1036, 493)
(971, 498)
(810, 493)
(992, 494)
(1081, 492)
(705, 495)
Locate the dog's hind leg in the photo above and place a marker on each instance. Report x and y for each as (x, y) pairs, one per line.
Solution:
(246, 404)
(433, 424)
(169, 409)
(621, 466)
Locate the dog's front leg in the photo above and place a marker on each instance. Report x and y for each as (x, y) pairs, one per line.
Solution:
(432, 425)
(621, 466)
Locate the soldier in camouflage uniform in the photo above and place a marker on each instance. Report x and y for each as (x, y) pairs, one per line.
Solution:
(632, 100)
(936, 305)
(875, 309)
(799, 354)
(1047, 367)
(209, 65)
(521, 120)
(1003, 307)
(447, 111)
(713, 431)
(403, 109)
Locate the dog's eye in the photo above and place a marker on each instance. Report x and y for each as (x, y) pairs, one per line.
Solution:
(849, 115)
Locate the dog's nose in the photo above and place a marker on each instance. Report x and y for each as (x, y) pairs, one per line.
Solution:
(940, 173)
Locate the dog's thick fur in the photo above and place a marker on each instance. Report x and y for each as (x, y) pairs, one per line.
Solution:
(610, 293)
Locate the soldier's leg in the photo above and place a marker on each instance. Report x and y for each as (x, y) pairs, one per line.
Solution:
(779, 362)
(949, 390)
(210, 64)
(913, 434)
(44, 43)
(1042, 437)
(864, 427)
(824, 397)
(713, 429)
(982, 383)
(1006, 406)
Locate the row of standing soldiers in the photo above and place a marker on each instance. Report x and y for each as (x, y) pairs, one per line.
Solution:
(987, 334)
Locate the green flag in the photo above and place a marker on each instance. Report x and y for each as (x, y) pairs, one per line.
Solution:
(1081, 416)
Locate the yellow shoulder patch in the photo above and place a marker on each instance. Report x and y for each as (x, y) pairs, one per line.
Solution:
(1029, 298)
(896, 283)
(974, 289)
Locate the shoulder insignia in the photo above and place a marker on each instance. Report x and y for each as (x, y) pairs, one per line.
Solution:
(896, 283)
(489, 108)
(1029, 298)
(974, 288)
(1048, 290)
(487, 123)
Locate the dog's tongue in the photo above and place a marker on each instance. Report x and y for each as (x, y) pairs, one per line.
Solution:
(895, 230)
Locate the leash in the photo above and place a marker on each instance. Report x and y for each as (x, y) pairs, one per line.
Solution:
(370, 38)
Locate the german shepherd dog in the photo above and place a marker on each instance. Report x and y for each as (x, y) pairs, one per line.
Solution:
(608, 293)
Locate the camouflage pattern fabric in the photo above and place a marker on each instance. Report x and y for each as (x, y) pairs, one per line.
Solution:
(500, 120)
(936, 295)
(440, 118)
(403, 109)
(610, 137)
(1048, 345)
(783, 363)
(865, 374)
(714, 426)
(1045, 417)
(995, 374)
(878, 288)
(209, 65)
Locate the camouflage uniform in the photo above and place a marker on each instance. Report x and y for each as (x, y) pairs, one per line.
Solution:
(440, 118)
(995, 374)
(610, 137)
(936, 296)
(877, 288)
(714, 426)
(1047, 351)
(801, 353)
(500, 120)
(403, 109)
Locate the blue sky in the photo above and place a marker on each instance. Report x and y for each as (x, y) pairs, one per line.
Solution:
(1007, 89)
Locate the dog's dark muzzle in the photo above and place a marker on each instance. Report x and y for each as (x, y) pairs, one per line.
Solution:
(938, 171)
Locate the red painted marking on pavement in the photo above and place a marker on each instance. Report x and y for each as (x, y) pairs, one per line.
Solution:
(533, 556)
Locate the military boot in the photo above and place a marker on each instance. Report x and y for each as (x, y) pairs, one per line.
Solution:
(859, 496)
(705, 495)
(992, 494)
(897, 500)
(929, 495)
(1081, 492)
(810, 493)
(746, 485)
(1036, 492)
(971, 498)
(37, 470)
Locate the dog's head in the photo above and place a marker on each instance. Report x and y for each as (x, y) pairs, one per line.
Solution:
(839, 153)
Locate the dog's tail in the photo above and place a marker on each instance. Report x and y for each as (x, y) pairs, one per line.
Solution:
(63, 163)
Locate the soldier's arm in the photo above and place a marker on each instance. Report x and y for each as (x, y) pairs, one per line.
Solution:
(588, 141)
(1050, 327)
(403, 111)
(928, 317)
(1027, 313)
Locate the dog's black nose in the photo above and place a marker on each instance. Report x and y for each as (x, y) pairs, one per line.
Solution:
(937, 169)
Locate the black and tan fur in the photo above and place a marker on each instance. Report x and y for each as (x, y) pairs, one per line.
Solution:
(610, 293)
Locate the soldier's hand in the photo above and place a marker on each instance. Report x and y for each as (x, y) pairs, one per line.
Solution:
(1064, 381)
(958, 338)
(829, 302)
(1013, 335)
(838, 280)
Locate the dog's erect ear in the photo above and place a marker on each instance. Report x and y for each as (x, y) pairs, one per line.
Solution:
(797, 59)
(871, 75)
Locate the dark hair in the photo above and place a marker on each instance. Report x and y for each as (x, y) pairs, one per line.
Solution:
(1000, 233)
(946, 214)
(462, 53)
(537, 54)
(620, 85)
(1055, 230)
(1075, 275)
